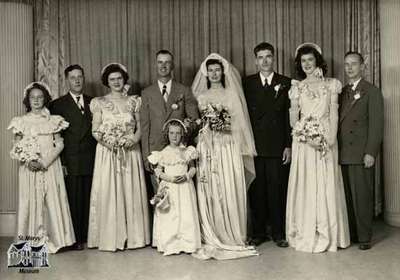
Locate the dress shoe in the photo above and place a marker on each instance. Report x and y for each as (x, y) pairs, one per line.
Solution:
(364, 246)
(282, 243)
(78, 246)
(257, 241)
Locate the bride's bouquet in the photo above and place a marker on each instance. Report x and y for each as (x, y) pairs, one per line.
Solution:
(116, 133)
(309, 130)
(216, 117)
(26, 150)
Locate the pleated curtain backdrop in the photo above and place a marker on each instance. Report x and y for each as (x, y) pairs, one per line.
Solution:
(96, 32)
(16, 71)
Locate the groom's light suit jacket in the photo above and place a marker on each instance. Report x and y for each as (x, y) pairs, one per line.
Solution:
(155, 112)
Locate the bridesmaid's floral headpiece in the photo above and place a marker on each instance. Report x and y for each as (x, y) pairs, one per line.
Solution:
(308, 44)
(166, 125)
(32, 85)
(121, 66)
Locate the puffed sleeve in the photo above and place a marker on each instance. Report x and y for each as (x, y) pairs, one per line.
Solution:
(95, 106)
(336, 86)
(191, 153)
(335, 89)
(154, 157)
(134, 104)
(16, 126)
(294, 95)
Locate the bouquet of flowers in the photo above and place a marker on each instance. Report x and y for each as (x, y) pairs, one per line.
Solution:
(160, 199)
(309, 130)
(115, 133)
(216, 117)
(26, 150)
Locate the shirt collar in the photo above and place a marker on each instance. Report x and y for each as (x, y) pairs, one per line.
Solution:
(75, 96)
(266, 79)
(355, 84)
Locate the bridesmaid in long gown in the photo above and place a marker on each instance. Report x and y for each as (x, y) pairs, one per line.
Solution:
(226, 164)
(316, 217)
(43, 209)
(118, 216)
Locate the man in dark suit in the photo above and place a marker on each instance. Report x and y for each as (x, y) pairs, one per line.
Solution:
(79, 150)
(360, 136)
(268, 104)
(166, 99)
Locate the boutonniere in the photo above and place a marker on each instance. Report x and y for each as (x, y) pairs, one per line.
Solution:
(357, 95)
(277, 88)
(175, 105)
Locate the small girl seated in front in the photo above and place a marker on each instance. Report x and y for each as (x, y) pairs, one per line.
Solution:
(176, 224)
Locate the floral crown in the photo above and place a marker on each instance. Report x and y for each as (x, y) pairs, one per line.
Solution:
(31, 85)
(308, 44)
(165, 126)
(121, 66)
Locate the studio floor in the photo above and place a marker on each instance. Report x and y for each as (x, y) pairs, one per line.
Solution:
(381, 262)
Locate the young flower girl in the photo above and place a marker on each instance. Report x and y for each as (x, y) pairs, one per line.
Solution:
(176, 223)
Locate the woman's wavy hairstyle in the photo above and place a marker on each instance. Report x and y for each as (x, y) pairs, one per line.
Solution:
(319, 58)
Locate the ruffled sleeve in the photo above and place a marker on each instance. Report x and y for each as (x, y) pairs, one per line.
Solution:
(95, 105)
(58, 123)
(154, 158)
(294, 110)
(16, 126)
(191, 153)
(134, 104)
(294, 90)
(336, 86)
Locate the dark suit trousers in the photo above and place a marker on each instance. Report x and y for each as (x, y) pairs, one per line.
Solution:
(359, 186)
(268, 197)
(78, 191)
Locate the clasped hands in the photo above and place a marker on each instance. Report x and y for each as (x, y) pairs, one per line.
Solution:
(129, 144)
(175, 179)
(35, 166)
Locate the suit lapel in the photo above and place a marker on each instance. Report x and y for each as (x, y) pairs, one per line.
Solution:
(72, 105)
(261, 97)
(86, 116)
(274, 82)
(157, 100)
(172, 99)
(350, 102)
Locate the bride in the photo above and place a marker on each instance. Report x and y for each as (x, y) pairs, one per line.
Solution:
(316, 217)
(226, 167)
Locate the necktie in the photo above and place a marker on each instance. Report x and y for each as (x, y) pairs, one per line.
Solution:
(79, 105)
(164, 93)
(349, 91)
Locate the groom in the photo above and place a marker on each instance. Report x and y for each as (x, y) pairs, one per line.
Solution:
(360, 136)
(164, 100)
(268, 104)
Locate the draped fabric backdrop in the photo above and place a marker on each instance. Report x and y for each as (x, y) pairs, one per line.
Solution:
(16, 71)
(96, 32)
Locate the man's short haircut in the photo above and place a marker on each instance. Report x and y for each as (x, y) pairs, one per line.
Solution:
(71, 68)
(361, 58)
(264, 46)
(165, 52)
